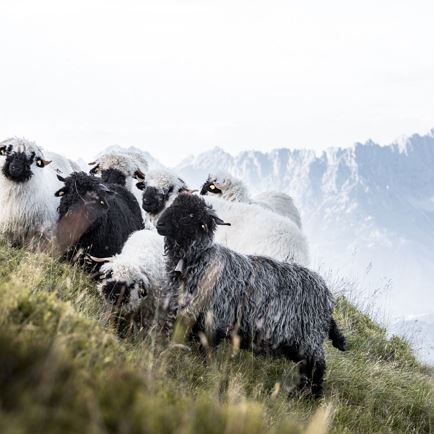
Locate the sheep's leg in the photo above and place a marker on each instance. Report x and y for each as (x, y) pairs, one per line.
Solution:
(305, 369)
(318, 377)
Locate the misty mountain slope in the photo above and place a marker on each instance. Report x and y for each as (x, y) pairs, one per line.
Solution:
(368, 210)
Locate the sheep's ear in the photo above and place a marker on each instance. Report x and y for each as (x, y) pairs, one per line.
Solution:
(94, 170)
(139, 175)
(60, 193)
(61, 178)
(140, 185)
(92, 163)
(219, 221)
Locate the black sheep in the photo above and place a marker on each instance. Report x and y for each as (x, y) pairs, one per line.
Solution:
(95, 218)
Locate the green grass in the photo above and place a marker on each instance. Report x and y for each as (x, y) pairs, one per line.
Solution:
(65, 369)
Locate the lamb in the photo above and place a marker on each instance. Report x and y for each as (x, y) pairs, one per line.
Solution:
(95, 218)
(123, 167)
(28, 181)
(233, 189)
(254, 230)
(135, 278)
(271, 307)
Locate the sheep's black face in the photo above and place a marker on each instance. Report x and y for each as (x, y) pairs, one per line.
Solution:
(188, 219)
(19, 161)
(84, 192)
(113, 176)
(154, 200)
(210, 187)
(17, 166)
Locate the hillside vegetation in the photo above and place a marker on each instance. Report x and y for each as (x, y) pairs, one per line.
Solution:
(68, 366)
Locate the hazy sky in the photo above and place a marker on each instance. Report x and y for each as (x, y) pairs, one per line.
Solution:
(179, 77)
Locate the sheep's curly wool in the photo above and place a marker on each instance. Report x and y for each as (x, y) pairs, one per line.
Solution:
(233, 189)
(274, 307)
(28, 207)
(115, 214)
(127, 162)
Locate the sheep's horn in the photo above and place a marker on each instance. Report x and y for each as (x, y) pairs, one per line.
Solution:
(61, 178)
(47, 162)
(92, 163)
(138, 174)
(99, 260)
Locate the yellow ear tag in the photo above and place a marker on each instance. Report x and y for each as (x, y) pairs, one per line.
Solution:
(61, 193)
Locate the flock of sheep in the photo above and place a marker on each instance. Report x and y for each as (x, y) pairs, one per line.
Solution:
(227, 265)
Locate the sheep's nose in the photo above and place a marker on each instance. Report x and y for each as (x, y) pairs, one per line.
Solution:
(16, 168)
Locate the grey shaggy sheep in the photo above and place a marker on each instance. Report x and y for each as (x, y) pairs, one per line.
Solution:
(275, 308)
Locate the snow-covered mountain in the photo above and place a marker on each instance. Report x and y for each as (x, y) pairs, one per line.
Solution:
(368, 211)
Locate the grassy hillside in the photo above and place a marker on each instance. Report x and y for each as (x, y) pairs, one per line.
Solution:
(64, 369)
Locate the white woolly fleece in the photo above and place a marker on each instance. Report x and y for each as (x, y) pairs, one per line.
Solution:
(233, 189)
(29, 210)
(258, 231)
(128, 162)
(141, 260)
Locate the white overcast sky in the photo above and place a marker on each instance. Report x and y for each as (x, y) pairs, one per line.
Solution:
(179, 77)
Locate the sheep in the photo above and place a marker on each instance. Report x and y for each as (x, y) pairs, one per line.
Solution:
(159, 189)
(123, 167)
(28, 181)
(95, 218)
(233, 189)
(254, 230)
(272, 307)
(136, 276)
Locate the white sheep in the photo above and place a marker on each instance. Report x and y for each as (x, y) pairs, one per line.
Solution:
(136, 274)
(254, 230)
(230, 188)
(28, 182)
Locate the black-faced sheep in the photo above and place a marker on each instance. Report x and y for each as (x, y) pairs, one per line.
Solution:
(159, 189)
(94, 217)
(254, 230)
(28, 181)
(273, 307)
(230, 188)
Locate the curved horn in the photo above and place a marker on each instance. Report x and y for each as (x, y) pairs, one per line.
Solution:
(99, 260)
(139, 175)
